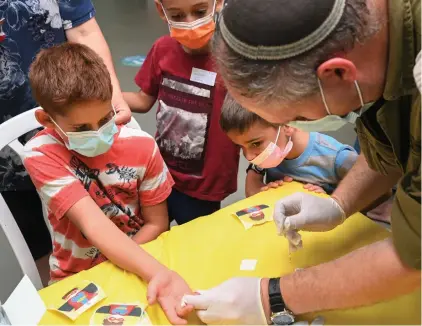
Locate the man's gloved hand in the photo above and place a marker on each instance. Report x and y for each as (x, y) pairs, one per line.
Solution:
(234, 302)
(302, 211)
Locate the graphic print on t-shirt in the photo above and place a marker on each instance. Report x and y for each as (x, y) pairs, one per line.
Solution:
(183, 122)
(113, 208)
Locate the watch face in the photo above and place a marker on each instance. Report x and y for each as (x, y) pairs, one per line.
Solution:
(283, 318)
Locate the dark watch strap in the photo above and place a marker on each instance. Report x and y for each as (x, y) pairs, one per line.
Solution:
(276, 300)
(256, 169)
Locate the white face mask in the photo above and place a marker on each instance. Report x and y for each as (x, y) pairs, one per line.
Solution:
(91, 143)
(331, 122)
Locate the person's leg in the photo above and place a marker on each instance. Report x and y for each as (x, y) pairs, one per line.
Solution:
(27, 210)
(184, 208)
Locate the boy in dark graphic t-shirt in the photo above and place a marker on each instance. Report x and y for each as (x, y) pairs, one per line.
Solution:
(179, 73)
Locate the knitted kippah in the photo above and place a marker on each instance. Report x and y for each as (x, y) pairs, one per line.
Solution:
(278, 29)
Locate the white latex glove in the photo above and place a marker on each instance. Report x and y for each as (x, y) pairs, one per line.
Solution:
(302, 211)
(307, 212)
(234, 302)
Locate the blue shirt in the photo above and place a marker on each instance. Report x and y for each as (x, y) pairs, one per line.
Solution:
(29, 25)
(324, 162)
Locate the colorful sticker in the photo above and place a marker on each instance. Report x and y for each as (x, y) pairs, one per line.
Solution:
(79, 299)
(254, 215)
(121, 314)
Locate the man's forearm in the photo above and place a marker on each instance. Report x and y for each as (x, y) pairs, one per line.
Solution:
(90, 34)
(362, 186)
(366, 276)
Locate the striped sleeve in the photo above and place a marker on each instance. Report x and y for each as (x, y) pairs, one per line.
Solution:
(59, 189)
(345, 159)
(157, 182)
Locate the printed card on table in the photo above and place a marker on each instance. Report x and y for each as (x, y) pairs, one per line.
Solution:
(79, 299)
(121, 314)
(254, 215)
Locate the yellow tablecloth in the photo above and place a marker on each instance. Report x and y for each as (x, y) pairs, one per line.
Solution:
(210, 249)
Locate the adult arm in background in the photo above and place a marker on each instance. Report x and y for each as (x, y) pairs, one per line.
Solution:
(360, 187)
(89, 34)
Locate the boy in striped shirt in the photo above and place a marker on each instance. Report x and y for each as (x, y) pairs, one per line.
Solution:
(105, 186)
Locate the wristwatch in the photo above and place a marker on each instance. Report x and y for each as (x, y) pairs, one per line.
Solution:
(255, 168)
(279, 313)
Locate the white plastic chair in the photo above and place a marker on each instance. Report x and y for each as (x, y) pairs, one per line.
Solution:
(10, 131)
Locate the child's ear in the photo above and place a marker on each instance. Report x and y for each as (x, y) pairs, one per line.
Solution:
(289, 131)
(160, 10)
(44, 119)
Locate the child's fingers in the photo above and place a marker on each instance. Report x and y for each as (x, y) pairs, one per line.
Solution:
(287, 179)
(313, 188)
(264, 188)
(320, 191)
(273, 185)
(307, 186)
(183, 312)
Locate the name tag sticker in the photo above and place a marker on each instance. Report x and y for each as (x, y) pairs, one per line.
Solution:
(203, 76)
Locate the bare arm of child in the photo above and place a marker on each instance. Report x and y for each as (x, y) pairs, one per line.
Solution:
(139, 102)
(156, 222)
(254, 183)
(166, 287)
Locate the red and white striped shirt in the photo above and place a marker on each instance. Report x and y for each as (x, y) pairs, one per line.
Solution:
(130, 175)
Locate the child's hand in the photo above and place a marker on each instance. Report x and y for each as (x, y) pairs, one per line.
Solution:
(123, 111)
(168, 288)
(276, 184)
(314, 188)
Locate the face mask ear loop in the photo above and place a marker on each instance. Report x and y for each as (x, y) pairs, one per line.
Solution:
(360, 97)
(165, 14)
(52, 120)
(213, 9)
(278, 134)
(323, 97)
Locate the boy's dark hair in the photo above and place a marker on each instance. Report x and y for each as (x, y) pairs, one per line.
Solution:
(235, 117)
(66, 74)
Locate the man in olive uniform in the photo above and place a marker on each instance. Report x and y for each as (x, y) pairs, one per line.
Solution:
(318, 65)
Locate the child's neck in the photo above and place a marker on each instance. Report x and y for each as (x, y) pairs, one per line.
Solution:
(300, 142)
(204, 50)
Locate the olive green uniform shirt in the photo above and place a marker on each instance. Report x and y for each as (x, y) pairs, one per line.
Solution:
(390, 131)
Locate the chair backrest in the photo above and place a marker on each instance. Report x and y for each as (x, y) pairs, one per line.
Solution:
(10, 131)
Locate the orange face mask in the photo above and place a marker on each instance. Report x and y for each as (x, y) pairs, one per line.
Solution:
(194, 35)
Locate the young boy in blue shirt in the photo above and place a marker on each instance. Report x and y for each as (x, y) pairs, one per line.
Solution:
(283, 153)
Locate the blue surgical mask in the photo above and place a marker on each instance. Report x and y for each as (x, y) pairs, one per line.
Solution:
(91, 143)
(331, 122)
